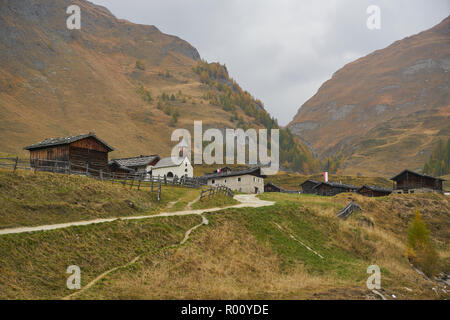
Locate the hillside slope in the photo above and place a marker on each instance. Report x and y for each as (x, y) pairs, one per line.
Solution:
(130, 84)
(385, 111)
(243, 253)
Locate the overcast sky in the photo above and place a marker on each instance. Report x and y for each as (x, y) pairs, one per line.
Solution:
(281, 51)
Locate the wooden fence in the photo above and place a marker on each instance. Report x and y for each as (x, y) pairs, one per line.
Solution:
(348, 210)
(213, 191)
(139, 180)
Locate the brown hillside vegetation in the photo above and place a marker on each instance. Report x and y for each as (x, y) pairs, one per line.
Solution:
(385, 111)
(130, 84)
(243, 255)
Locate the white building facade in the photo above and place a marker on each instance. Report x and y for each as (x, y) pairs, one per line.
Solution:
(171, 167)
(246, 181)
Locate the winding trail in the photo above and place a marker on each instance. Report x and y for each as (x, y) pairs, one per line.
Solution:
(246, 201)
(104, 274)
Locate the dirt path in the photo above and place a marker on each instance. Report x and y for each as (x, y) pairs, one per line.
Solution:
(189, 205)
(248, 200)
(104, 274)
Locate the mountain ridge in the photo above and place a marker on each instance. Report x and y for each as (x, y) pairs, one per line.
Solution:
(129, 83)
(376, 98)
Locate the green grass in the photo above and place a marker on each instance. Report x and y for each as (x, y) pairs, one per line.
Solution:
(320, 233)
(218, 201)
(33, 266)
(28, 199)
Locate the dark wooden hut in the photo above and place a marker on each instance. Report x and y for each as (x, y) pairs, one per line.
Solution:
(116, 167)
(374, 191)
(80, 151)
(270, 187)
(139, 164)
(410, 181)
(332, 188)
(308, 185)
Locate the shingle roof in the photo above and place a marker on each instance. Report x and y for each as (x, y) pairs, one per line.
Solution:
(376, 188)
(136, 161)
(337, 185)
(66, 140)
(169, 162)
(120, 166)
(251, 171)
(310, 180)
(415, 173)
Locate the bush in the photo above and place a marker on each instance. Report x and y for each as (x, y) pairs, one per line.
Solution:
(420, 251)
(140, 65)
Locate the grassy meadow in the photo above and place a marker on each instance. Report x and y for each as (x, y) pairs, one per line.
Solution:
(294, 249)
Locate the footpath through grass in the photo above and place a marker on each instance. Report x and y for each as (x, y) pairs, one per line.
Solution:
(33, 265)
(28, 199)
(243, 254)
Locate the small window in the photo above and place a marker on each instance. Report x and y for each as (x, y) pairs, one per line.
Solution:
(185, 170)
(225, 180)
(213, 181)
(239, 179)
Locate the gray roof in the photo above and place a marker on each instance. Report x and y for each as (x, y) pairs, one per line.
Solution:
(169, 162)
(136, 161)
(376, 188)
(336, 185)
(252, 171)
(310, 180)
(112, 162)
(415, 173)
(50, 142)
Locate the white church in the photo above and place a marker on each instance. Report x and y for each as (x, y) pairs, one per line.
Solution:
(153, 165)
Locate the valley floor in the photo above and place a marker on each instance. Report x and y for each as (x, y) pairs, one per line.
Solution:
(295, 248)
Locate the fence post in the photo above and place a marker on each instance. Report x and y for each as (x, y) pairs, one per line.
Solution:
(139, 184)
(101, 174)
(15, 164)
(159, 191)
(152, 183)
(87, 169)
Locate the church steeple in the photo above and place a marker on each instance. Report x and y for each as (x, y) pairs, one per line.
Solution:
(183, 148)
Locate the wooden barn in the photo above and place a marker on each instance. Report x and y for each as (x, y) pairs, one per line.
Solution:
(270, 187)
(409, 181)
(374, 191)
(308, 185)
(332, 188)
(81, 151)
(115, 167)
(139, 164)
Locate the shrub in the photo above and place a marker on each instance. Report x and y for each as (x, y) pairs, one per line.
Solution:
(140, 65)
(420, 251)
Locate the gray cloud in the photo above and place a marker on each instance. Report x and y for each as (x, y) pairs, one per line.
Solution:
(281, 51)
